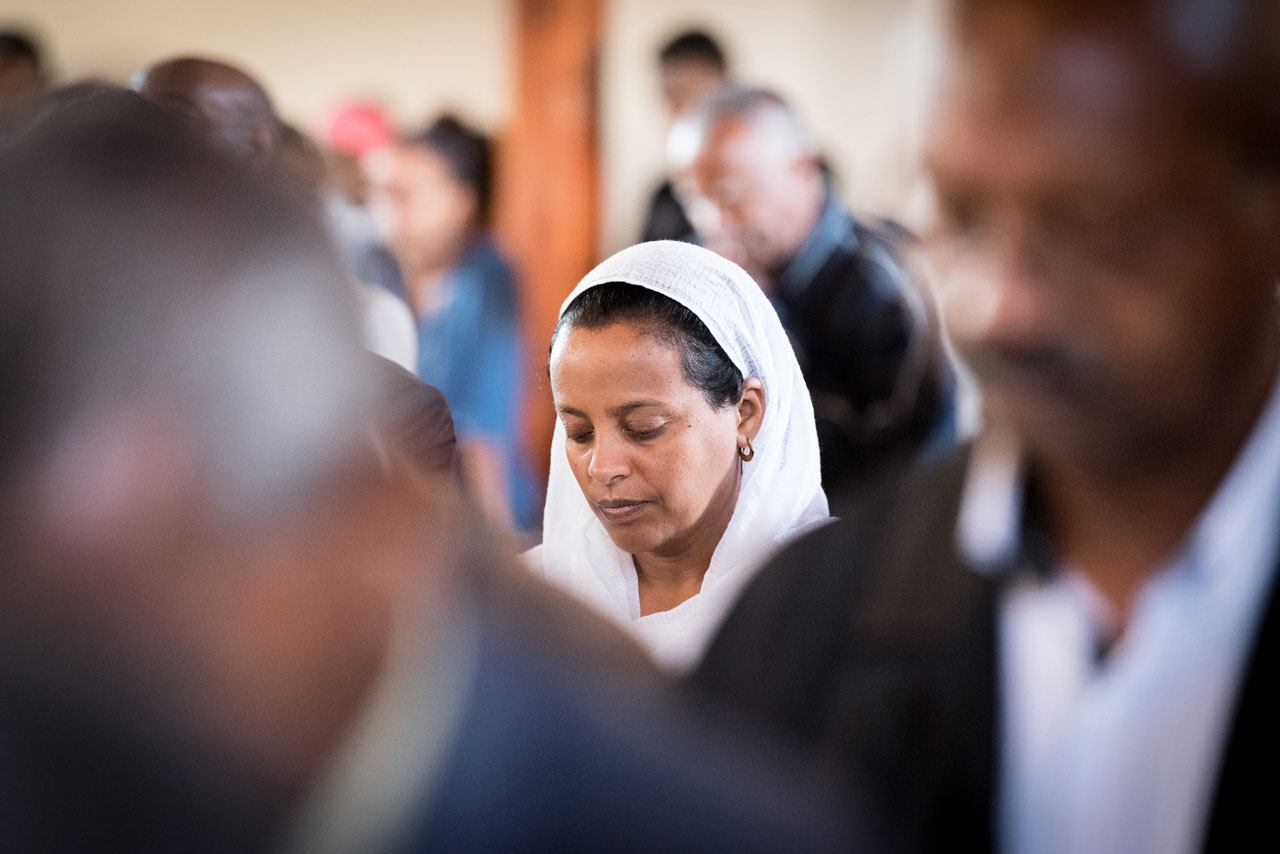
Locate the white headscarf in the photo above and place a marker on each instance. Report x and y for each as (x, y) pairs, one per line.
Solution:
(780, 493)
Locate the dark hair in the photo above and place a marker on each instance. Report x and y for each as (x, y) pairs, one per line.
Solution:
(703, 362)
(16, 45)
(467, 152)
(747, 102)
(694, 46)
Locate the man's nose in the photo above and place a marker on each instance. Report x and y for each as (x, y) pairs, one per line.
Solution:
(1003, 293)
(729, 215)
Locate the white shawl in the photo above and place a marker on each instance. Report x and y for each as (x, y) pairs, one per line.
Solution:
(780, 493)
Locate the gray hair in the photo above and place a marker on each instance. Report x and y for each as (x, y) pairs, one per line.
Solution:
(761, 108)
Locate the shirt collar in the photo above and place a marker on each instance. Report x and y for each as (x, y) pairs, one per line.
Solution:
(1235, 529)
(1238, 530)
(833, 230)
(989, 529)
(392, 759)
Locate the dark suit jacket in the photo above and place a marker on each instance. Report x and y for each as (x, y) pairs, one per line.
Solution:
(881, 388)
(665, 218)
(80, 774)
(544, 761)
(872, 643)
(415, 417)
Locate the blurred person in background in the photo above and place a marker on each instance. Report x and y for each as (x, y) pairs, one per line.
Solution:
(388, 323)
(234, 110)
(692, 67)
(685, 449)
(22, 79)
(226, 623)
(351, 133)
(1066, 637)
(860, 325)
(218, 100)
(434, 196)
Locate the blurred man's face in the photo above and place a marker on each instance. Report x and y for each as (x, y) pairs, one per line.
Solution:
(1101, 265)
(766, 195)
(684, 84)
(425, 211)
(20, 85)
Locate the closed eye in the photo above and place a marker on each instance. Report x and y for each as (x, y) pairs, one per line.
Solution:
(643, 435)
(580, 437)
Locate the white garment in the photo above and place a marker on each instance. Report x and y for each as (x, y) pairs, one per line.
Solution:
(388, 326)
(781, 491)
(1122, 757)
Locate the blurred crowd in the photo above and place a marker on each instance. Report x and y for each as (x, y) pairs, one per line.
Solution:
(281, 573)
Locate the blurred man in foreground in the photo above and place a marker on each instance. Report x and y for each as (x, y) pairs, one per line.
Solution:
(1067, 638)
(228, 622)
(881, 387)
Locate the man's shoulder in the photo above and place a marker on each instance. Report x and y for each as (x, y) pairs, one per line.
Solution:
(865, 284)
(546, 761)
(874, 252)
(872, 645)
(897, 519)
(842, 584)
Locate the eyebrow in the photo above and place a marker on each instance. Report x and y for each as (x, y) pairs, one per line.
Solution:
(613, 411)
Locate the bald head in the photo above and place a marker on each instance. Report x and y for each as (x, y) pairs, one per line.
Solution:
(220, 100)
(758, 166)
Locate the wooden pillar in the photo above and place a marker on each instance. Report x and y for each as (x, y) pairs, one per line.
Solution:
(548, 208)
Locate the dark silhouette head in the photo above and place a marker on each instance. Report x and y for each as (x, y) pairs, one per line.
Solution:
(22, 76)
(219, 100)
(692, 64)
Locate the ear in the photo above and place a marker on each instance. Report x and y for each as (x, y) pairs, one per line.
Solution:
(807, 166)
(750, 409)
(469, 203)
(263, 142)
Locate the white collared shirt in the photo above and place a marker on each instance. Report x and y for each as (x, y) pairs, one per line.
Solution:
(1123, 756)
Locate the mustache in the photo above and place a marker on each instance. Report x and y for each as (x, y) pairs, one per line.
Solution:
(1069, 369)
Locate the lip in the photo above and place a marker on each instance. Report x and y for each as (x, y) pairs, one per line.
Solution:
(620, 511)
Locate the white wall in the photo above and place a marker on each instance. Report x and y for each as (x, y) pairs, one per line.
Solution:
(855, 69)
(417, 56)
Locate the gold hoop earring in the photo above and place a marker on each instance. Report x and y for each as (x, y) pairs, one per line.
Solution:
(746, 453)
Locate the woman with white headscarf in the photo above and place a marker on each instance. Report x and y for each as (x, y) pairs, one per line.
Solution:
(685, 450)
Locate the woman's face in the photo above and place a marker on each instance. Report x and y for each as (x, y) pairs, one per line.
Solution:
(657, 463)
(424, 210)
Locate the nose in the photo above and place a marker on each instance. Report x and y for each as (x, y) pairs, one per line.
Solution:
(1003, 294)
(609, 460)
(729, 215)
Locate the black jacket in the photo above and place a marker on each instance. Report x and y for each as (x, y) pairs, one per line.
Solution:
(870, 354)
(872, 643)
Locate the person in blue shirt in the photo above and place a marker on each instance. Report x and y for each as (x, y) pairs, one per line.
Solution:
(434, 196)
